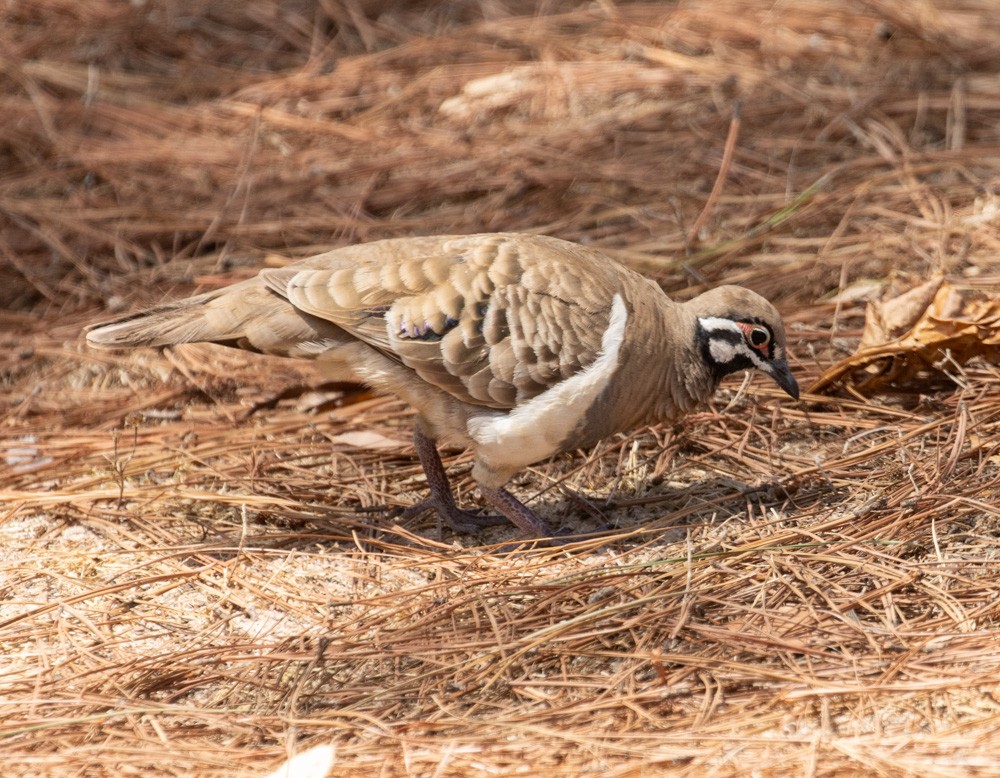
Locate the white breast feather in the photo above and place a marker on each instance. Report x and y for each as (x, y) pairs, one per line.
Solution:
(534, 431)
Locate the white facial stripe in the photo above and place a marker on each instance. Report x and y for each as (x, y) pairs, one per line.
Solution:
(754, 355)
(718, 324)
(724, 350)
(535, 429)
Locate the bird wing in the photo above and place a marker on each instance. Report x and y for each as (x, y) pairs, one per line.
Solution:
(491, 319)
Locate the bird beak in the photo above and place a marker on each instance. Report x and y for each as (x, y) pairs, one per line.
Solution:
(778, 370)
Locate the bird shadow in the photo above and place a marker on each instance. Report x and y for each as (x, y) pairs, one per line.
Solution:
(664, 514)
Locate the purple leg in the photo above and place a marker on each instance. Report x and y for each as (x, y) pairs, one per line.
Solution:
(441, 498)
(515, 510)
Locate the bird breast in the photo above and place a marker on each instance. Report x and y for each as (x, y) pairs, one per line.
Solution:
(545, 424)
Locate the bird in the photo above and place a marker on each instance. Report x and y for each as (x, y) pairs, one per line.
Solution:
(514, 346)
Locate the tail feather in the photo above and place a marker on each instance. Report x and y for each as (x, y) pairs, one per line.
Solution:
(185, 321)
(247, 315)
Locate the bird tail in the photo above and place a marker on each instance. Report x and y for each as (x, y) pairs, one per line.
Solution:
(210, 317)
(248, 315)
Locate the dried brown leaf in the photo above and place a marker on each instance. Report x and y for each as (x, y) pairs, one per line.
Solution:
(917, 340)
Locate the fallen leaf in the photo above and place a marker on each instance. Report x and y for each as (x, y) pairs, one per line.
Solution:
(889, 319)
(367, 439)
(913, 342)
(863, 289)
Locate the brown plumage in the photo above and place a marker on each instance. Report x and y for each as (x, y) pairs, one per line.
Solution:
(515, 346)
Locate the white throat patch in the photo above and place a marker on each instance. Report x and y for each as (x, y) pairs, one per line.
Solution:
(533, 431)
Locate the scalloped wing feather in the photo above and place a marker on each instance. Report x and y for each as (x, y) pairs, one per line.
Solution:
(492, 320)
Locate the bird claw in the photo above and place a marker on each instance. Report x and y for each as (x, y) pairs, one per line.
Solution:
(456, 518)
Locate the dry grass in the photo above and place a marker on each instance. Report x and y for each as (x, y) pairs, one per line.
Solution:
(197, 575)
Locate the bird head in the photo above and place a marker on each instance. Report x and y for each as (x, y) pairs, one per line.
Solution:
(737, 329)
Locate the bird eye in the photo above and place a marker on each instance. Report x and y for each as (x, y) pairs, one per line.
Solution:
(758, 337)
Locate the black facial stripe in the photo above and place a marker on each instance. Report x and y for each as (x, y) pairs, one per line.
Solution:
(724, 335)
(736, 340)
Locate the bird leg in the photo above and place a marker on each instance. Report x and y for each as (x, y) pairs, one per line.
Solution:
(515, 510)
(441, 499)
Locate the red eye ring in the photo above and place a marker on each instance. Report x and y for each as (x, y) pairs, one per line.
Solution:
(757, 336)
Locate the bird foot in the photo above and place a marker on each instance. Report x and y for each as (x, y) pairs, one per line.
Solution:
(456, 518)
(510, 508)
